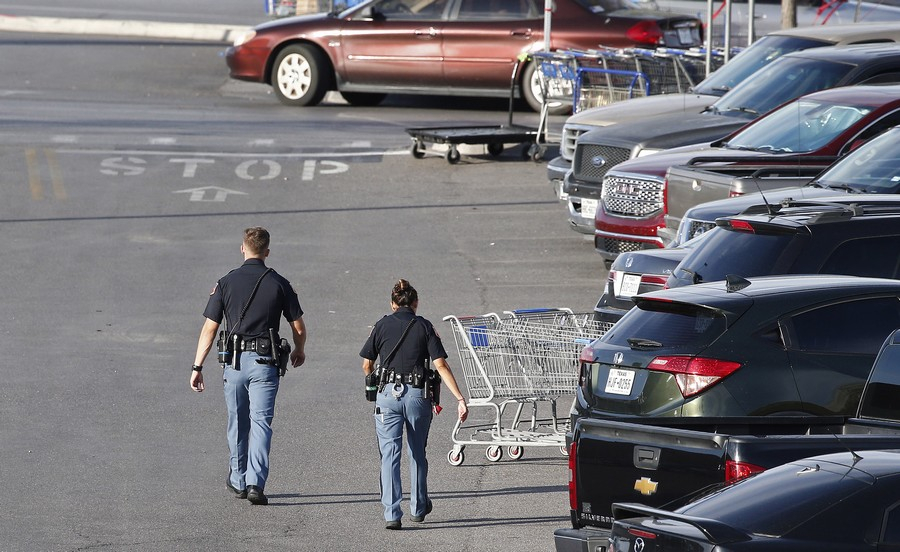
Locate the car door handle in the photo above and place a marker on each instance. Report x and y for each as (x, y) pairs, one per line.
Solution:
(426, 34)
(520, 33)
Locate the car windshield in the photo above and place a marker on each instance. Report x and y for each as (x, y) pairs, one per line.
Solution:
(606, 6)
(801, 126)
(775, 502)
(723, 252)
(755, 57)
(872, 168)
(781, 81)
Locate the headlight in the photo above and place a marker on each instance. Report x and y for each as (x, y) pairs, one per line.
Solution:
(244, 38)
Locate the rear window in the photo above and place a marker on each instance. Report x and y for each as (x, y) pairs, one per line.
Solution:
(673, 325)
(730, 252)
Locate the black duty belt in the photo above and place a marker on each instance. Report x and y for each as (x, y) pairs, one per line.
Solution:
(258, 345)
(407, 378)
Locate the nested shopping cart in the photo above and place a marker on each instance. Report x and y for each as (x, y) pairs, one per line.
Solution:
(510, 361)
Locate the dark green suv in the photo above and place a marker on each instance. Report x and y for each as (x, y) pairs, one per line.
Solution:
(773, 345)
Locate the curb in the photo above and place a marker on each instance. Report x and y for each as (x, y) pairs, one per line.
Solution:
(148, 29)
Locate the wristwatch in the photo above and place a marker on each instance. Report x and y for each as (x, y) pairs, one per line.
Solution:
(196, 368)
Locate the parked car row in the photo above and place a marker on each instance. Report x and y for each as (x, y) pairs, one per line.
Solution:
(455, 47)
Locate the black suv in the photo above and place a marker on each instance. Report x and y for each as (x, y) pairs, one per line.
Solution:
(858, 236)
(830, 234)
(773, 345)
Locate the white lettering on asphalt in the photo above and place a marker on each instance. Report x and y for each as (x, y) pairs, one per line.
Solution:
(190, 165)
(310, 166)
(116, 166)
(243, 170)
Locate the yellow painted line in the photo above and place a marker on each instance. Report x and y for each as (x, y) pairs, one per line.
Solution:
(34, 175)
(56, 180)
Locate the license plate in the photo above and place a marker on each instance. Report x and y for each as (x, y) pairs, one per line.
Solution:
(619, 382)
(588, 207)
(630, 284)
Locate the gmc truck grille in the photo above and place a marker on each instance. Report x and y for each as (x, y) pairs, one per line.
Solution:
(592, 161)
(632, 197)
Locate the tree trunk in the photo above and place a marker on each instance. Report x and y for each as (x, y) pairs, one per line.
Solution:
(788, 14)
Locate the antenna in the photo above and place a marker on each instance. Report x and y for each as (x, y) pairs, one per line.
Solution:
(769, 209)
(856, 457)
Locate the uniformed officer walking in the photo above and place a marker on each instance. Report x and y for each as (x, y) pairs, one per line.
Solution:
(252, 298)
(405, 342)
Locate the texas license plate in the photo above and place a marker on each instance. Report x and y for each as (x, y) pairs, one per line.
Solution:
(619, 382)
(630, 284)
(589, 208)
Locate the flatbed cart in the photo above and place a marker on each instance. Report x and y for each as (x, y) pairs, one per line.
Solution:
(510, 361)
(494, 137)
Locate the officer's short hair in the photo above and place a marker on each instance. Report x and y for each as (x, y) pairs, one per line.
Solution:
(403, 294)
(256, 239)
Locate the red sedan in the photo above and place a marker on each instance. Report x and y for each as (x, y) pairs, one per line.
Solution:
(446, 47)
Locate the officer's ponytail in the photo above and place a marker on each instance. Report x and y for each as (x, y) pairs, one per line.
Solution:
(403, 294)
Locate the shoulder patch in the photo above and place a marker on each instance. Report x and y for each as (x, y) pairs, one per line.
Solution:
(215, 287)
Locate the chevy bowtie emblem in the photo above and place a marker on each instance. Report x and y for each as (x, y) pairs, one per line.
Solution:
(598, 161)
(645, 486)
(639, 545)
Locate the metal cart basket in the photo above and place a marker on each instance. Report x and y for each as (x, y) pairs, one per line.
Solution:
(520, 358)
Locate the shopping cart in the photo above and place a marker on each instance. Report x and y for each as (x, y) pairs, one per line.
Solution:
(520, 358)
(280, 8)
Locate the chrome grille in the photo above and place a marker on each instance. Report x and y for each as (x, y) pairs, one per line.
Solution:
(632, 197)
(586, 166)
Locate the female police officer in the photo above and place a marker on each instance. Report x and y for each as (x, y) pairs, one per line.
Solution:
(404, 343)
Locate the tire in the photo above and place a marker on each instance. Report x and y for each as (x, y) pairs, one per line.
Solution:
(452, 156)
(495, 149)
(493, 453)
(363, 99)
(300, 76)
(455, 458)
(515, 452)
(417, 150)
(530, 87)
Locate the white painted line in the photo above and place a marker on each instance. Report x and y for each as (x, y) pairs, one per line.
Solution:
(149, 29)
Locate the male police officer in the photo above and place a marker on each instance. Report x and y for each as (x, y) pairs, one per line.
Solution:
(252, 298)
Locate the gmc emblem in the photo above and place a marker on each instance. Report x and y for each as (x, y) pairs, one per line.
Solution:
(625, 188)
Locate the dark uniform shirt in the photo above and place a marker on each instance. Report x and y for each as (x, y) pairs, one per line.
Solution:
(274, 298)
(420, 344)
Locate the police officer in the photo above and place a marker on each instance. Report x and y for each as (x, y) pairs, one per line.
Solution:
(252, 298)
(405, 342)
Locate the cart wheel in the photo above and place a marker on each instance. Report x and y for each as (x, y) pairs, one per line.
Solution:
(493, 453)
(453, 156)
(515, 452)
(455, 457)
(417, 150)
(536, 152)
(495, 149)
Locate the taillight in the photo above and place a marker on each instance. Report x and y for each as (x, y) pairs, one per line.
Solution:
(654, 279)
(587, 357)
(694, 374)
(735, 193)
(573, 487)
(642, 534)
(739, 470)
(645, 32)
(742, 226)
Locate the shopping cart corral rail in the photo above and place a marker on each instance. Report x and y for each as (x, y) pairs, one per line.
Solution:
(526, 357)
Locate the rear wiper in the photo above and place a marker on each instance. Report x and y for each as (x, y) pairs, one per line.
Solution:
(641, 343)
(695, 278)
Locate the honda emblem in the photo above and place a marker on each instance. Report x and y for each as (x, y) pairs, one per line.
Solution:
(618, 358)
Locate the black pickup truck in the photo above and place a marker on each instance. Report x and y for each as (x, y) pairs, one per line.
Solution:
(662, 462)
